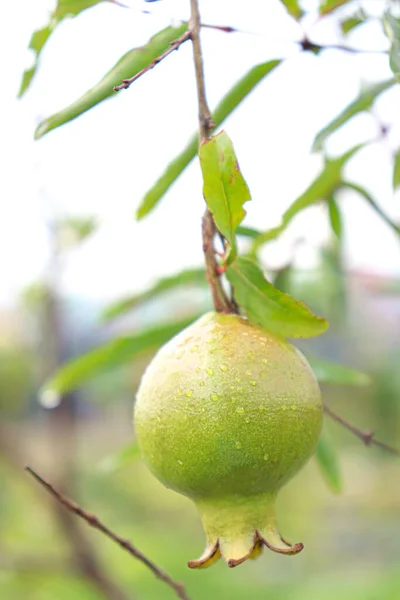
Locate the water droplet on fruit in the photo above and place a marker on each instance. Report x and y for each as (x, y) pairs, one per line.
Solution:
(189, 394)
(214, 397)
(238, 445)
(202, 383)
(253, 382)
(240, 410)
(248, 372)
(264, 360)
(266, 456)
(223, 368)
(180, 462)
(194, 348)
(210, 371)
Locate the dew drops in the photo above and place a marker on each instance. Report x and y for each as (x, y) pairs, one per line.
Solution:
(214, 397)
(189, 393)
(238, 445)
(223, 368)
(248, 372)
(293, 407)
(265, 361)
(194, 348)
(233, 400)
(240, 410)
(179, 392)
(253, 382)
(180, 462)
(202, 383)
(266, 457)
(247, 419)
(237, 379)
(210, 371)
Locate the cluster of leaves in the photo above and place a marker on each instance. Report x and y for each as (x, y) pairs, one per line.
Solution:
(225, 192)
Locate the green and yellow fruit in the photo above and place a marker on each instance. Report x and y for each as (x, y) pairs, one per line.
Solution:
(226, 414)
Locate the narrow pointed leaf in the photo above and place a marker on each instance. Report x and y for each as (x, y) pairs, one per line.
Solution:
(293, 8)
(225, 189)
(131, 63)
(353, 21)
(120, 460)
(227, 105)
(335, 217)
(269, 307)
(248, 232)
(327, 6)
(396, 171)
(362, 103)
(191, 277)
(334, 374)
(392, 27)
(320, 189)
(370, 200)
(110, 355)
(64, 8)
(328, 463)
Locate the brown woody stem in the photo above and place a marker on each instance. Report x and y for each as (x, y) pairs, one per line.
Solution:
(367, 437)
(94, 522)
(206, 125)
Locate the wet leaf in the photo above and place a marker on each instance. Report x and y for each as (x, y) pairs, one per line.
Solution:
(227, 105)
(328, 462)
(334, 374)
(362, 103)
(269, 307)
(131, 63)
(110, 355)
(225, 189)
(190, 277)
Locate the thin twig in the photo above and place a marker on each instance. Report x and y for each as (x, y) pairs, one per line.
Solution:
(206, 125)
(367, 437)
(94, 522)
(175, 45)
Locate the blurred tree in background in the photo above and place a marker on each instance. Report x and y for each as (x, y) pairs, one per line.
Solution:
(74, 421)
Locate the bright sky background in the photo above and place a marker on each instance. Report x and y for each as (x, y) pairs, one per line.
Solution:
(102, 163)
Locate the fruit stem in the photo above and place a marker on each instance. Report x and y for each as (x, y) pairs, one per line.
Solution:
(206, 125)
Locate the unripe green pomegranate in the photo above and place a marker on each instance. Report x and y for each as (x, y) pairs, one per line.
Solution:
(226, 414)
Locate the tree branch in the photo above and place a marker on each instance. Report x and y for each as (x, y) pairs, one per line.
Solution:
(367, 437)
(206, 125)
(175, 45)
(94, 522)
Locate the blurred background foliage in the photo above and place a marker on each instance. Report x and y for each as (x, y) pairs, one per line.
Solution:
(78, 429)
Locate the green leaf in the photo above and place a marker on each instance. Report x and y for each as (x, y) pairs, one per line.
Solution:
(396, 171)
(328, 463)
(120, 460)
(108, 356)
(353, 21)
(227, 105)
(321, 188)
(130, 64)
(225, 190)
(267, 306)
(392, 27)
(362, 103)
(64, 8)
(335, 217)
(293, 8)
(367, 196)
(73, 230)
(334, 374)
(327, 6)
(191, 277)
(248, 232)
